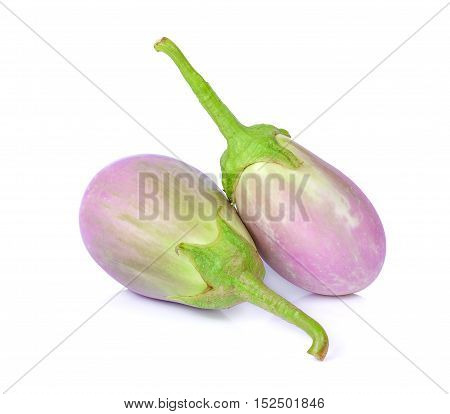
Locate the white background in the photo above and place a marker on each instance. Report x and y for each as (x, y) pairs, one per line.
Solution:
(280, 62)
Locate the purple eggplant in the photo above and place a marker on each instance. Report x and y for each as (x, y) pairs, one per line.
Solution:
(166, 231)
(309, 221)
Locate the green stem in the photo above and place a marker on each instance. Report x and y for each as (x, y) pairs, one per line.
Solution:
(254, 291)
(222, 116)
(247, 145)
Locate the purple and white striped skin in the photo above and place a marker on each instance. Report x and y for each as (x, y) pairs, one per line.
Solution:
(142, 251)
(337, 248)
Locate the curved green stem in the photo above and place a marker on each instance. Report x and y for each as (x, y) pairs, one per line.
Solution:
(234, 272)
(254, 291)
(246, 144)
(222, 116)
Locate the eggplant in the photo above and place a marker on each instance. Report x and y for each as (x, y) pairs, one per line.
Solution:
(165, 230)
(309, 221)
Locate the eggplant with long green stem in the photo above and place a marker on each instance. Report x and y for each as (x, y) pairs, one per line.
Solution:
(309, 221)
(165, 230)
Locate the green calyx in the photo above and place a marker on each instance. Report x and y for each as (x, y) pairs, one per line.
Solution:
(234, 272)
(257, 143)
(246, 144)
(222, 263)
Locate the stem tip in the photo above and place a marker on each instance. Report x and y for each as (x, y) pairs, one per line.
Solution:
(159, 43)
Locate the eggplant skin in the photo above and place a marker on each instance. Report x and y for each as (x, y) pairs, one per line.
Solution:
(329, 239)
(140, 251)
